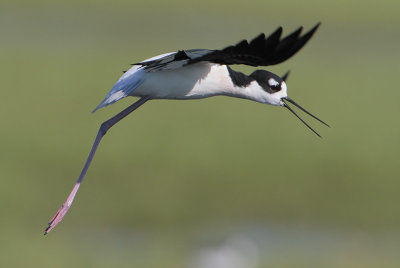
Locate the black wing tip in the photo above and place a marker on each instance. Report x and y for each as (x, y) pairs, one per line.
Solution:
(311, 32)
(288, 45)
(299, 30)
(279, 30)
(314, 29)
(308, 34)
(260, 51)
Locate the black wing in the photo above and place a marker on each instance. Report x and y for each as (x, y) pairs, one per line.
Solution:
(261, 51)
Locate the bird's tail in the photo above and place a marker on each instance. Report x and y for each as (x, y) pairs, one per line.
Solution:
(110, 99)
(123, 88)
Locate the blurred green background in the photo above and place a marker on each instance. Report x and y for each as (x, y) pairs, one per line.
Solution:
(220, 182)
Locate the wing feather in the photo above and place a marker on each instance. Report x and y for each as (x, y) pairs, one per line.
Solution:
(173, 61)
(261, 51)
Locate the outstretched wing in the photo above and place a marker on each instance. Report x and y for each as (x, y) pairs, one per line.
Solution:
(261, 51)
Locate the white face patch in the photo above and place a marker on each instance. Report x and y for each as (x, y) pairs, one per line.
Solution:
(272, 82)
(284, 87)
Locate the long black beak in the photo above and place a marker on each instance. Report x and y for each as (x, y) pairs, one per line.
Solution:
(304, 110)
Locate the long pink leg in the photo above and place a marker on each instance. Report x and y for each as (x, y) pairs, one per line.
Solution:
(102, 131)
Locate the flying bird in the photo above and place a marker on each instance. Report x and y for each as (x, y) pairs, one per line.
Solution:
(202, 73)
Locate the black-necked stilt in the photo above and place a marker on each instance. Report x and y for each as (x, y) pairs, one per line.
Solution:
(202, 73)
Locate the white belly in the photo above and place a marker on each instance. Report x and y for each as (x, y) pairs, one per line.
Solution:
(190, 82)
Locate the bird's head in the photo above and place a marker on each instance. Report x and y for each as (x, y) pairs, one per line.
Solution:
(272, 87)
(275, 93)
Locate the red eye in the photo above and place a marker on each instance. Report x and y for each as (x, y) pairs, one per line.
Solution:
(276, 88)
(274, 85)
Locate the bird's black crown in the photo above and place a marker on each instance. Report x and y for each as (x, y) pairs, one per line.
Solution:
(270, 82)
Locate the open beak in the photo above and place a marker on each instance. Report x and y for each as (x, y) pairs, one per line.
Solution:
(304, 110)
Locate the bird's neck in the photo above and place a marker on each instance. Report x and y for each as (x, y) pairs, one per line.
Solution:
(244, 86)
(239, 79)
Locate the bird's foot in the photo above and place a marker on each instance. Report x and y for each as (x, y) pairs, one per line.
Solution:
(63, 210)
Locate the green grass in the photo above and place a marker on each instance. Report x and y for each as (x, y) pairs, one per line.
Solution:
(173, 169)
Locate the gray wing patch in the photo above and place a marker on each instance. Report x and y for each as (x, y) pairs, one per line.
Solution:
(174, 61)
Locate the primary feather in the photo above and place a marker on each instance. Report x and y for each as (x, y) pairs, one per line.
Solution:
(261, 51)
